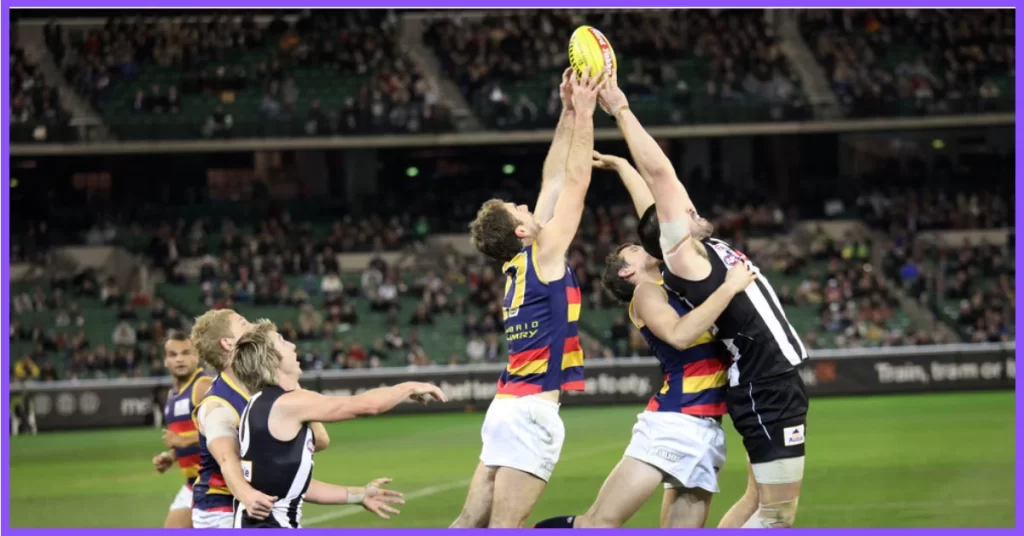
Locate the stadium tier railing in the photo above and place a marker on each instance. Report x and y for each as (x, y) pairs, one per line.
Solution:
(506, 137)
(867, 371)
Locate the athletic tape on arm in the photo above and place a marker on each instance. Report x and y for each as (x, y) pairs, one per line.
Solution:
(673, 233)
(218, 421)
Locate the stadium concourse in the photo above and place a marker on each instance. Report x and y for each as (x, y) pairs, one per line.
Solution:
(899, 237)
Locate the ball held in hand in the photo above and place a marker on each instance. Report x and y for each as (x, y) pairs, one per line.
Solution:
(590, 50)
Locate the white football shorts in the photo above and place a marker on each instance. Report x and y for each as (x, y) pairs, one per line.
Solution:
(524, 433)
(688, 450)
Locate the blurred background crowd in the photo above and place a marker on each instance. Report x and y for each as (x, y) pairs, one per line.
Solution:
(380, 281)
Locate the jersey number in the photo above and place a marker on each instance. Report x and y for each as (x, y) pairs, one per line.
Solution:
(515, 268)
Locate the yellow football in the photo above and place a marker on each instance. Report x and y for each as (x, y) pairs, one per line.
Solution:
(590, 49)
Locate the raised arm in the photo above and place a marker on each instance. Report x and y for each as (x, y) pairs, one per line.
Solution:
(674, 207)
(554, 165)
(635, 184)
(555, 237)
(650, 305)
(307, 406)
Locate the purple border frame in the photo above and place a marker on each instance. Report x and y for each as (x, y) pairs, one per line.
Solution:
(5, 205)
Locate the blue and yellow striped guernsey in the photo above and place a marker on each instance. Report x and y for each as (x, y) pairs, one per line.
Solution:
(541, 326)
(695, 377)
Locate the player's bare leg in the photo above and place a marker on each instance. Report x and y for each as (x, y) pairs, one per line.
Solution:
(476, 513)
(625, 490)
(180, 518)
(685, 508)
(515, 495)
(778, 492)
(744, 508)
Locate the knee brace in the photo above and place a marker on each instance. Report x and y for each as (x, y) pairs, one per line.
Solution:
(773, 516)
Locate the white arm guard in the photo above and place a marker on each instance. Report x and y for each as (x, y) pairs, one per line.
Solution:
(673, 233)
(217, 421)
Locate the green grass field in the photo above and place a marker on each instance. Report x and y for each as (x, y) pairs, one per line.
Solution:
(899, 461)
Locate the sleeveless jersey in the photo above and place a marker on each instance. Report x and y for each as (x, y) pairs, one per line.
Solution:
(178, 416)
(210, 492)
(541, 320)
(695, 377)
(281, 469)
(753, 327)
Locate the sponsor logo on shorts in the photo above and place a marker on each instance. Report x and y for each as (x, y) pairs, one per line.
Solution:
(548, 466)
(794, 435)
(668, 455)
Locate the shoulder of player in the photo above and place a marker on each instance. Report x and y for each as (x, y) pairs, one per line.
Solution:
(644, 295)
(548, 263)
(200, 388)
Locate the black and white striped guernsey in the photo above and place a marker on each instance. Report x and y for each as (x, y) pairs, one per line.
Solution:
(281, 469)
(753, 326)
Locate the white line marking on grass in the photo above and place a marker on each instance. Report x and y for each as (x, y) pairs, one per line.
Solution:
(439, 488)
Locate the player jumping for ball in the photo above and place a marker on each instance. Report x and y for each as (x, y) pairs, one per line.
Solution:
(767, 400)
(678, 440)
(523, 432)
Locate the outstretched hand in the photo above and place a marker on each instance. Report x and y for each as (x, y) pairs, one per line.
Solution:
(611, 97)
(379, 500)
(606, 161)
(565, 90)
(584, 92)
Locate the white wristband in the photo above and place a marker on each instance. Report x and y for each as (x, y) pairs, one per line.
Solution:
(355, 498)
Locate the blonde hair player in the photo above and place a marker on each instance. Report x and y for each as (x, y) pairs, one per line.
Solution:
(523, 432)
(216, 417)
(277, 438)
(766, 399)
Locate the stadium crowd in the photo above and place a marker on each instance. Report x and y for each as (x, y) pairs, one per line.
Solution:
(32, 100)
(891, 62)
(508, 65)
(263, 68)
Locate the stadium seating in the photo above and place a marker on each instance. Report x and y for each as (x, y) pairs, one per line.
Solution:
(900, 62)
(272, 81)
(676, 64)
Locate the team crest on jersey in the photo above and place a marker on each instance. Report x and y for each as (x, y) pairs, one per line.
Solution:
(794, 435)
(731, 259)
(182, 407)
(310, 446)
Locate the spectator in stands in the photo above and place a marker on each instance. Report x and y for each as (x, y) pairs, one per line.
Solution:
(26, 369)
(124, 334)
(476, 349)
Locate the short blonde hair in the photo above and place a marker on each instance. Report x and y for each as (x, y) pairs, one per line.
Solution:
(207, 333)
(493, 232)
(255, 359)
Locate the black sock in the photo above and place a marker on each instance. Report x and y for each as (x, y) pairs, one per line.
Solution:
(560, 522)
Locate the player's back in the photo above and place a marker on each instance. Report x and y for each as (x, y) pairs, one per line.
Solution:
(210, 491)
(541, 327)
(695, 377)
(178, 416)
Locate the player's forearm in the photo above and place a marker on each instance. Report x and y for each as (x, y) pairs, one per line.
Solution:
(581, 150)
(655, 168)
(370, 403)
(693, 325)
(322, 439)
(638, 190)
(324, 493)
(226, 451)
(554, 168)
